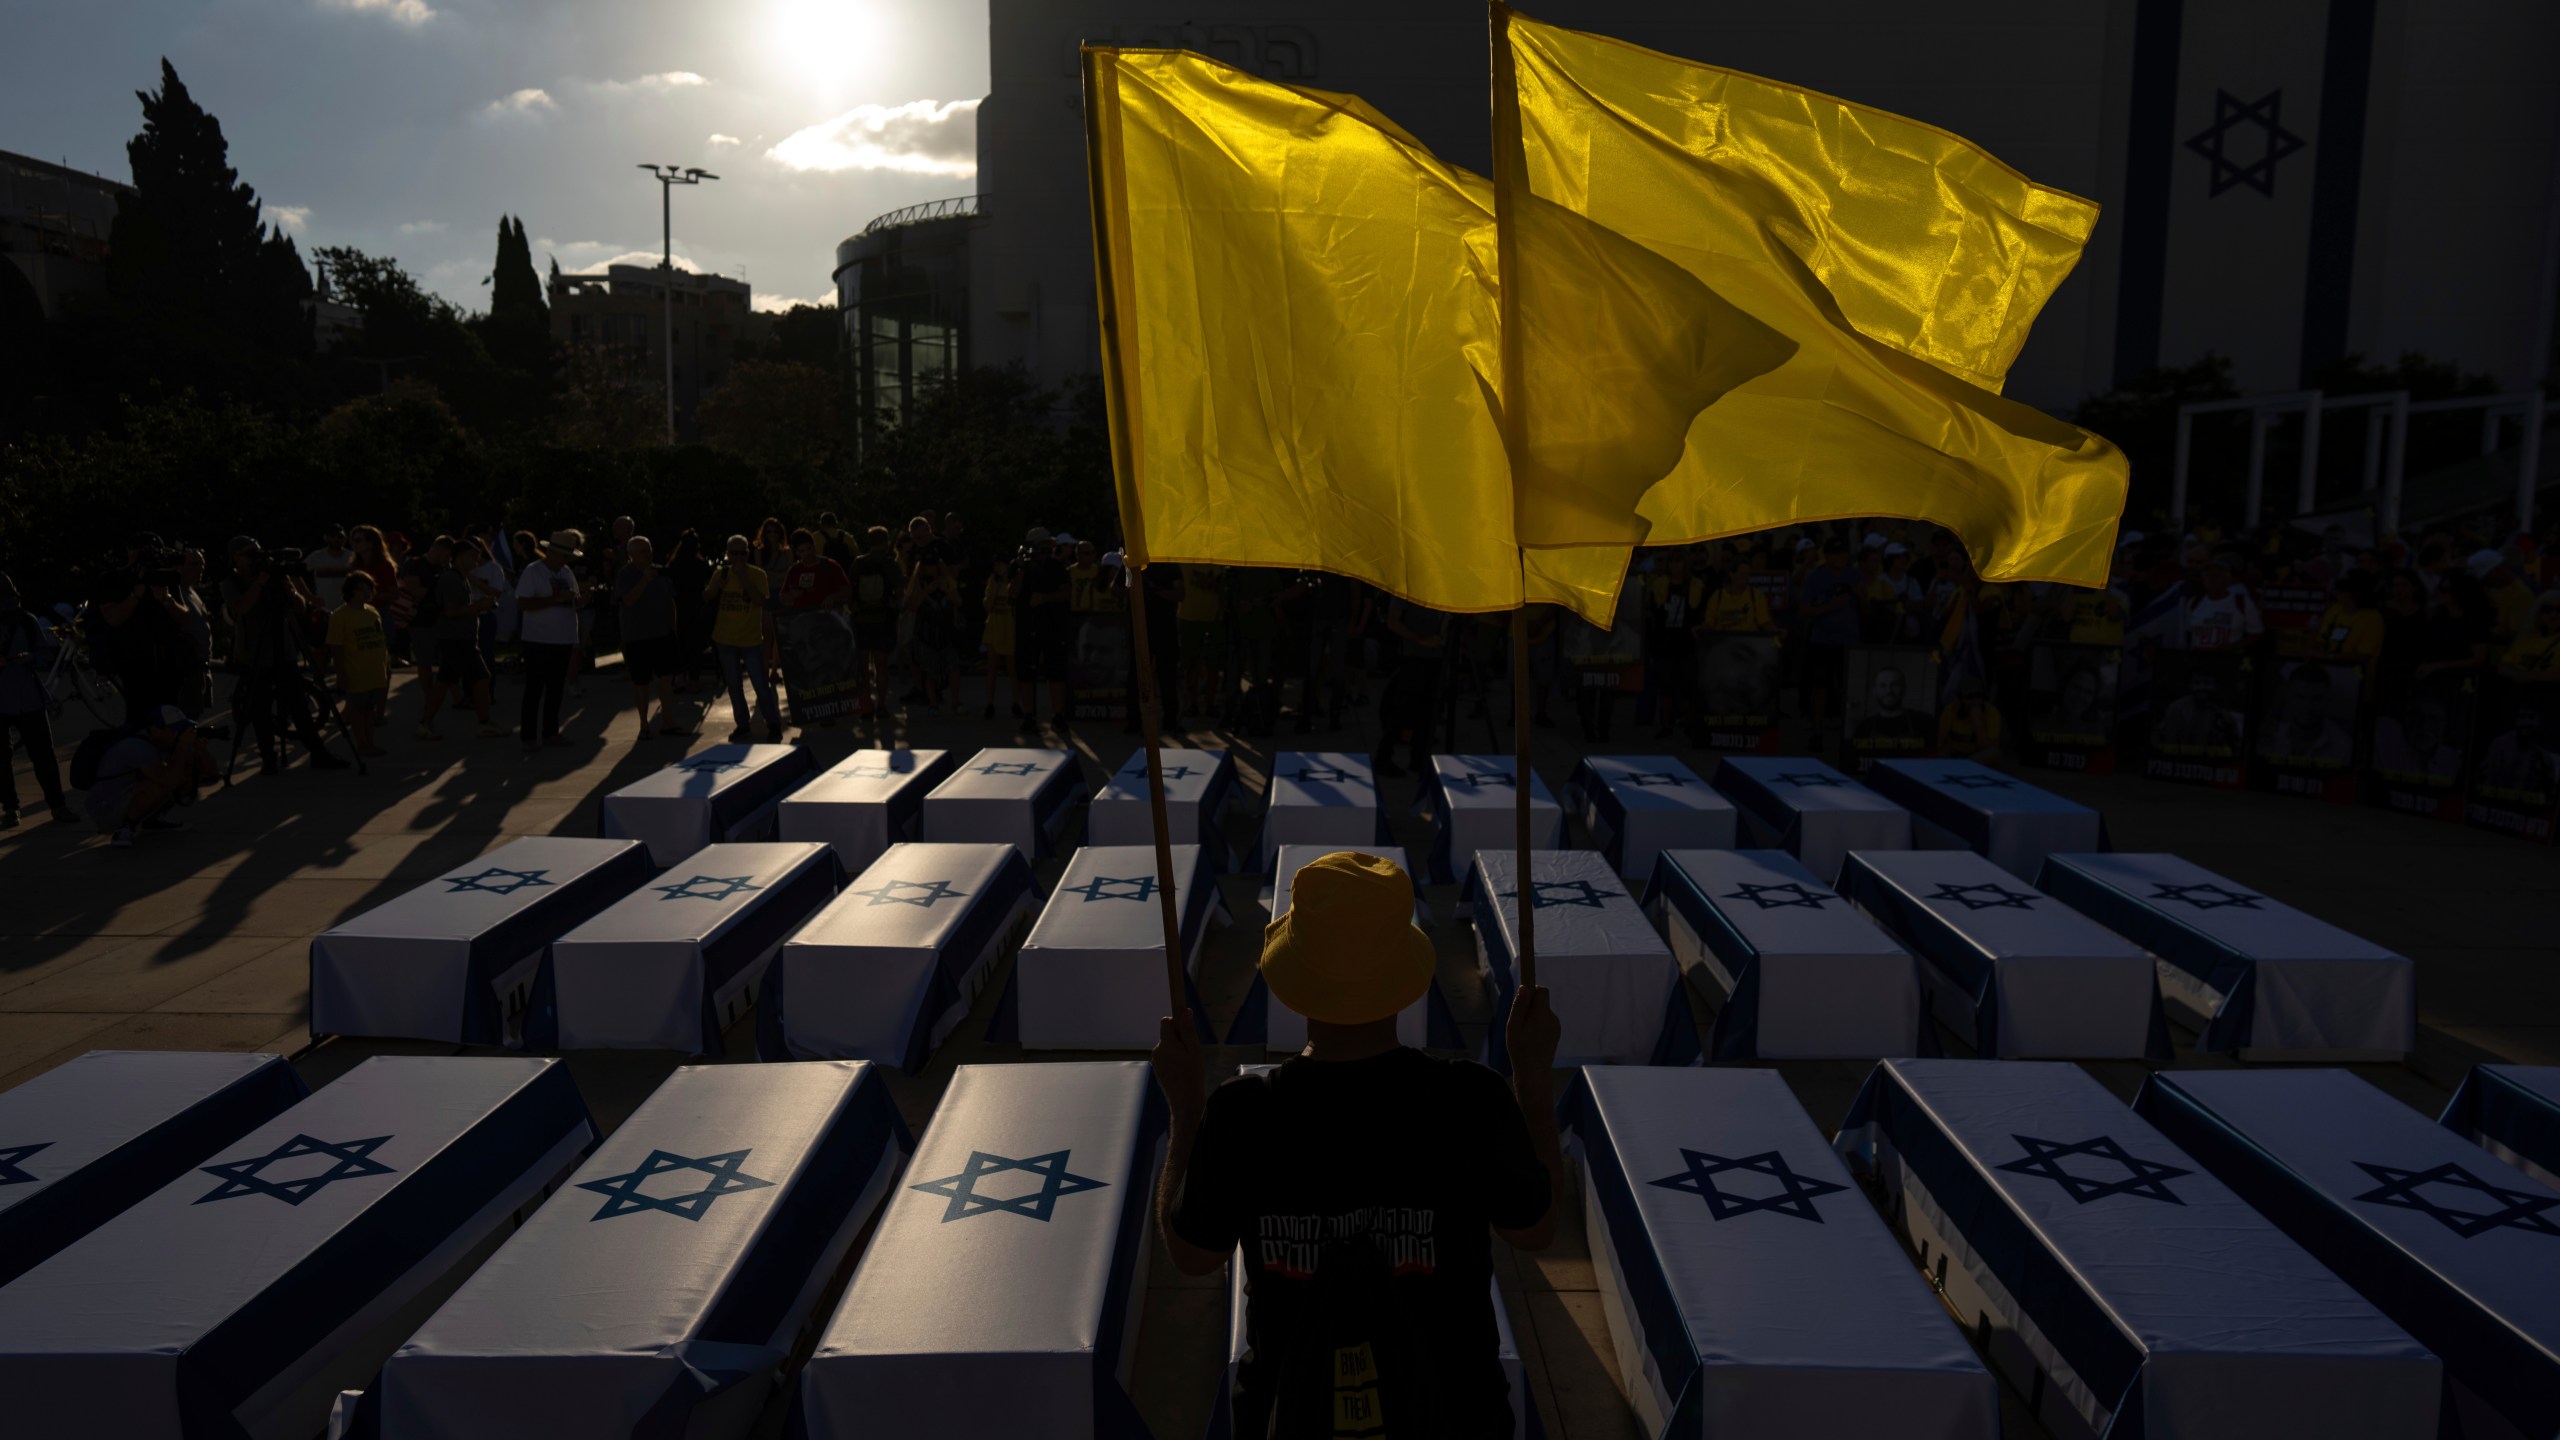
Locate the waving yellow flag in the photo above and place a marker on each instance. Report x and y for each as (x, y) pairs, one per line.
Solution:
(1903, 263)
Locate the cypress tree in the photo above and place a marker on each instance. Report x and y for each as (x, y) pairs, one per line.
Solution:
(188, 242)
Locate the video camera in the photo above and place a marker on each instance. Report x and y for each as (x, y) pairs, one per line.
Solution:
(292, 564)
(160, 567)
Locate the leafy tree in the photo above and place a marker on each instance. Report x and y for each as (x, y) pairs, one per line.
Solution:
(811, 335)
(778, 414)
(2142, 419)
(188, 242)
(518, 327)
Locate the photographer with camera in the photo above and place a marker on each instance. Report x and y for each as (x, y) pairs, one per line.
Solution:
(452, 636)
(268, 602)
(27, 646)
(142, 625)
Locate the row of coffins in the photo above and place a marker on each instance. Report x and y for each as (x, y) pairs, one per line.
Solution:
(440, 1247)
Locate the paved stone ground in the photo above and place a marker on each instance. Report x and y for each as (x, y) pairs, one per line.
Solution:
(198, 941)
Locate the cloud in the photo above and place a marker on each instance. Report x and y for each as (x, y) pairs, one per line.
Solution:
(528, 101)
(718, 139)
(646, 260)
(412, 13)
(921, 137)
(422, 227)
(664, 82)
(776, 304)
(289, 217)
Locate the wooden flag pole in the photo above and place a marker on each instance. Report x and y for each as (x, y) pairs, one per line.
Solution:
(1506, 161)
(1149, 711)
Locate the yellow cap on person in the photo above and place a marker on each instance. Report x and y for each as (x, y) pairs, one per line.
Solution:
(1347, 952)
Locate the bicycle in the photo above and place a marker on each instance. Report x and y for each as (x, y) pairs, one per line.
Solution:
(73, 675)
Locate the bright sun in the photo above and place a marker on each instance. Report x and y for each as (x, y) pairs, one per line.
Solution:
(824, 42)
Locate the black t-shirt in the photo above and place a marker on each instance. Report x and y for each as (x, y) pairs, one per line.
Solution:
(1364, 1193)
(1042, 575)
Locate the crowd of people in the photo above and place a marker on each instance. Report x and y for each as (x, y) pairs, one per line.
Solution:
(314, 639)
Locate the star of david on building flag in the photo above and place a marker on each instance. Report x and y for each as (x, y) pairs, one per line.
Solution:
(496, 881)
(930, 893)
(1010, 767)
(2205, 897)
(710, 767)
(2509, 1209)
(1967, 780)
(1795, 1196)
(1326, 775)
(13, 1161)
(708, 887)
(1810, 780)
(966, 1199)
(2146, 1178)
(1549, 893)
(1109, 887)
(1647, 779)
(1794, 893)
(623, 1195)
(351, 1160)
(1988, 895)
(2254, 126)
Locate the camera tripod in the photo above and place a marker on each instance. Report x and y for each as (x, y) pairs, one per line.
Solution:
(306, 690)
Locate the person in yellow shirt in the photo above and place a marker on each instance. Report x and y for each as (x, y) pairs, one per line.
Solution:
(1086, 590)
(2535, 655)
(2352, 627)
(1969, 728)
(997, 637)
(736, 595)
(362, 659)
(1735, 606)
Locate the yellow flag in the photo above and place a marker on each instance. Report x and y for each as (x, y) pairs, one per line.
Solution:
(1903, 263)
(1302, 343)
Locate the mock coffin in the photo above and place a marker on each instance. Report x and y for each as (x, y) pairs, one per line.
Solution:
(867, 802)
(1198, 786)
(2117, 1284)
(1475, 806)
(720, 793)
(1811, 811)
(1009, 797)
(677, 962)
(1615, 988)
(661, 1290)
(2015, 972)
(2456, 1245)
(1799, 973)
(1638, 806)
(1091, 974)
(2000, 817)
(87, 1139)
(1001, 1296)
(455, 959)
(888, 970)
(1322, 798)
(2513, 1112)
(1749, 1288)
(241, 1298)
(2251, 974)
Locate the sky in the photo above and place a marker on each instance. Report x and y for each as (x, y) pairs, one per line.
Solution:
(407, 127)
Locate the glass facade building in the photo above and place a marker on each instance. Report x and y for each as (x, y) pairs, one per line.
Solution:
(902, 287)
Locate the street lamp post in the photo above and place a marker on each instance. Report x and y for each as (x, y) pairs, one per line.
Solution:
(668, 177)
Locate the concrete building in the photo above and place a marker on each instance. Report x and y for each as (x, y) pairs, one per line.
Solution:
(2285, 181)
(619, 315)
(54, 227)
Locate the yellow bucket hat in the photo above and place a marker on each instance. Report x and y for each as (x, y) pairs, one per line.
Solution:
(1348, 952)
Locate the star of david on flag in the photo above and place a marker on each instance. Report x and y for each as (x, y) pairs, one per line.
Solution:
(933, 892)
(1108, 887)
(1810, 780)
(1647, 779)
(13, 1160)
(2146, 1178)
(2509, 1209)
(1794, 893)
(1138, 773)
(1484, 777)
(1795, 1196)
(715, 888)
(623, 1195)
(352, 1160)
(2205, 897)
(866, 772)
(1326, 775)
(1548, 893)
(496, 881)
(1969, 781)
(1988, 895)
(966, 1200)
(710, 767)
(1010, 767)
(2231, 115)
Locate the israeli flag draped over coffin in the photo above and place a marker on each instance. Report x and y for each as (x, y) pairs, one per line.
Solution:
(1001, 1296)
(1198, 784)
(1748, 1287)
(720, 793)
(888, 970)
(455, 959)
(2252, 974)
(869, 801)
(1474, 806)
(1009, 797)
(2000, 817)
(2112, 1278)
(1524, 1409)
(1801, 974)
(1324, 798)
(2016, 973)
(1263, 1020)
(1811, 811)
(661, 1289)
(1091, 974)
(1638, 806)
(90, 1137)
(2454, 1244)
(1615, 988)
(241, 1298)
(2513, 1112)
(675, 963)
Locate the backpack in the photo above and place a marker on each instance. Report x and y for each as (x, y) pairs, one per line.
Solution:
(93, 753)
